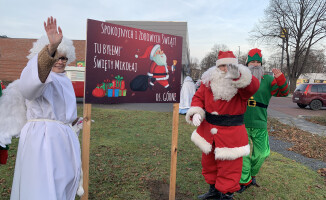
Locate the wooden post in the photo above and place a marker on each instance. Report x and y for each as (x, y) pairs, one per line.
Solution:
(174, 151)
(85, 147)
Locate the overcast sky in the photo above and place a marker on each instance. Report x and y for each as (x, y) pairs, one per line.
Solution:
(209, 21)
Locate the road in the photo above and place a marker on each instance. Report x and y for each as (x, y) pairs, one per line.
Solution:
(286, 106)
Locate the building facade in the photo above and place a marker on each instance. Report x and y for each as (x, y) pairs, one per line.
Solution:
(13, 53)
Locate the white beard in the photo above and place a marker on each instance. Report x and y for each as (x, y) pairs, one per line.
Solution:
(257, 72)
(160, 59)
(222, 88)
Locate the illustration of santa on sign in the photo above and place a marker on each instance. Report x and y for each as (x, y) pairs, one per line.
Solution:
(159, 70)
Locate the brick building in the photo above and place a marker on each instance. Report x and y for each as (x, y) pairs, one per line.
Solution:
(13, 52)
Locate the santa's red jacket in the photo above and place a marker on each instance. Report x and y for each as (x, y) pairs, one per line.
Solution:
(160, 72)
(231, 142)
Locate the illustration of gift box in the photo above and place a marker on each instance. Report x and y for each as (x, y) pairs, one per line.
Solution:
(110, 90)
(116, 88)
(105, 86)
(123, 90)
(116, 92)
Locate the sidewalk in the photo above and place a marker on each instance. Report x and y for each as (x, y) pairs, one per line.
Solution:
(300, 123)
(282, 147)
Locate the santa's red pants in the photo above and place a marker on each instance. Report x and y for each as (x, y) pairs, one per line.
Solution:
(225, 174)
(164, 83)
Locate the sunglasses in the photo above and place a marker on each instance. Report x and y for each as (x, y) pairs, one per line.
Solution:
(63, 59)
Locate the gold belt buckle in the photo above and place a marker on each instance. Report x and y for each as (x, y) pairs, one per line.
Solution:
(251, 103)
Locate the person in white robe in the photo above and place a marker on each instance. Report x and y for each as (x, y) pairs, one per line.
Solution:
(48, 163)
(188, 90)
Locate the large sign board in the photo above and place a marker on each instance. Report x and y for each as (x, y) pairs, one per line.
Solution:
(130, 65)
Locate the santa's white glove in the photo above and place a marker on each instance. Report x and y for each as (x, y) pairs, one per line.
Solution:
(78, 125)
(196, 119)
(233, 72)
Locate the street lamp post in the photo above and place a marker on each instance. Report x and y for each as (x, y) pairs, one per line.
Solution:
(283, 35)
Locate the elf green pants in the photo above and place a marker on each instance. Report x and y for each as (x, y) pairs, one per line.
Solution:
(260, 151)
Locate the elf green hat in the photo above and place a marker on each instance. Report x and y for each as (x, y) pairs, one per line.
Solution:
(254, 54)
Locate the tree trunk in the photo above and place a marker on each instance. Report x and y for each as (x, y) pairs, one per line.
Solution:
(293, 83)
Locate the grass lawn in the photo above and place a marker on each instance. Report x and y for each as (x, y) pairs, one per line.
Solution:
(130, 159)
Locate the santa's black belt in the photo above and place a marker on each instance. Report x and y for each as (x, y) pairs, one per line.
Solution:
(224, 120)
(160, 74)
(253, 103)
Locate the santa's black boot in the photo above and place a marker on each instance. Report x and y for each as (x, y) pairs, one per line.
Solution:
(226, 196)
(212, 193)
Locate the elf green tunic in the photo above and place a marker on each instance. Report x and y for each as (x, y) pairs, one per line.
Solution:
(256, 124)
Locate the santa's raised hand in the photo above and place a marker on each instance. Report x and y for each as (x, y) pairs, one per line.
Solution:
(232, 72)
(54, 34)
(277, 73)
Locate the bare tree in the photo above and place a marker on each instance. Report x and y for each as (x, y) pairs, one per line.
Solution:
(195, 71)
(304, 26)
(243, 58)
(210, 59)
(316, 62)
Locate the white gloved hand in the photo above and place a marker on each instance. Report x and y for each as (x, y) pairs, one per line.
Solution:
(78, 126)
(233, 72)
(196, 119)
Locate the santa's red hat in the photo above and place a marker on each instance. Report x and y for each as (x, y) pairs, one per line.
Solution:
(150, 51)
(226, 57)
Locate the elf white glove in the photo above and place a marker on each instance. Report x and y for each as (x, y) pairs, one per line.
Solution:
(196, 119)
(233, 72)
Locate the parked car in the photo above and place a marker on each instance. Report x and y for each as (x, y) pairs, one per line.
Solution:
(312, 94)
(77, 77)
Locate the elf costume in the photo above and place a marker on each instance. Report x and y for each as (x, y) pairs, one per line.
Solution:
(255, 120)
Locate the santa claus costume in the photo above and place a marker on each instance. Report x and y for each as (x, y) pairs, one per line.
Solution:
(159, 70)
(221, 103)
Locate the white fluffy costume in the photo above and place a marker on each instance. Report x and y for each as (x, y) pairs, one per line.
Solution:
(223, 144)
(13, 113)
(48, 163)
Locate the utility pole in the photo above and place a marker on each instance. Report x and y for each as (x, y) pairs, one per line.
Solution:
(282, 55)
(239, 52)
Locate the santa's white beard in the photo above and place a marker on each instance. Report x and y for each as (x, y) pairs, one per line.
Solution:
(257, 71)
(222, 88)
(160, 59)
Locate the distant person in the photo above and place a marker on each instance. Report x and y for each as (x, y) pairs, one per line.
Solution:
(48, 162)
(188, 90)
(217, 109)
(256, 116)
